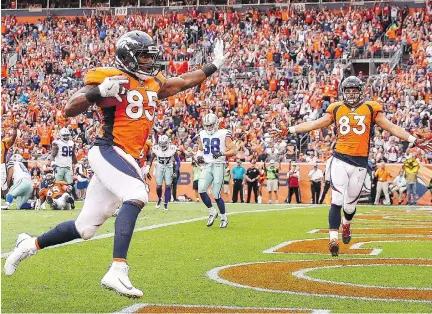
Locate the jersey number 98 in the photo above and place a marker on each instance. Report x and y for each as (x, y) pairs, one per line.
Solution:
(67, 151)
(211, 145)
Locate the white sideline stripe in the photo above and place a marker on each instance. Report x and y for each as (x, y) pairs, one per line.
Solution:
(173, 223)
(213, 274)
(313, 231)
(301, 274)
(136, 307)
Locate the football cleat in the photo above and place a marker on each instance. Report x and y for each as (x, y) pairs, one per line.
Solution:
(346, 233)
(117, 279)
(71, 201)
(5, 206)
(158, 203)
(25, 247)
(334, 247)
(211, 219)
(165, 207)
(223, 223)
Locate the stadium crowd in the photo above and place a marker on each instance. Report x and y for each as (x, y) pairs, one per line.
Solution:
(285, 68)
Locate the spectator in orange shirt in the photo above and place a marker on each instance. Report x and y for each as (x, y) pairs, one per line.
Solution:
(383, 175)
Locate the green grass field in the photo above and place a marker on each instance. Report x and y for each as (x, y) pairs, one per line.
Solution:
(170, 263)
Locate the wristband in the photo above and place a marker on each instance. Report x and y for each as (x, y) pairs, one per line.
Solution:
(93, 95)
(412, 139)
(209, 69)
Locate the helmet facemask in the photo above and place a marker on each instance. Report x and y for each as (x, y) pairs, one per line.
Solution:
(210, 128)
(164, 142)
(352, 96)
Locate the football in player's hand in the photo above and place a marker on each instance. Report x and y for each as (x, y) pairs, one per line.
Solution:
(107, 102)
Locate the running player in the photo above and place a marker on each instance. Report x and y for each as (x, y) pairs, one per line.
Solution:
(215, 145)
(354, 119)
(127, 97)
(166, 155)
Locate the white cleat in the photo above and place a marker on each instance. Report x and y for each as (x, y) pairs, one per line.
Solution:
(25, 247)
(158, 204)
(211, 219)
(223, 223)
(117, 279)
(165, 208)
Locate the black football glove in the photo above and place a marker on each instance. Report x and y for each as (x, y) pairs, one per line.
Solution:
(217, 155)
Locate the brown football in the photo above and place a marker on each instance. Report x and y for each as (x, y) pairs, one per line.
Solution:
(107, 102)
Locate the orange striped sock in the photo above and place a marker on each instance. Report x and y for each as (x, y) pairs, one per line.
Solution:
(120, 260)
(37, 244)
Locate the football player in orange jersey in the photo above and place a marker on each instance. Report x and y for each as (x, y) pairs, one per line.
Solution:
(127, 96)
(354, 119)
(56, 194)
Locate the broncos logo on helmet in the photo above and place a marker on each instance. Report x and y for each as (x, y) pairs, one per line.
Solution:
(136, 52)
(50, 179)
(352, 91)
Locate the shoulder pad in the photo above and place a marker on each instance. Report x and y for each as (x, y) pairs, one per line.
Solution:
(97, 75)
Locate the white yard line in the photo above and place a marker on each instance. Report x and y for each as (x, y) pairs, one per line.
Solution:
(157, 226)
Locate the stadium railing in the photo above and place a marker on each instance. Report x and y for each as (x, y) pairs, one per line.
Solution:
(69, 8)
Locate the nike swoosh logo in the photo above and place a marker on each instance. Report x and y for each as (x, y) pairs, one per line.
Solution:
(109, 88)
(129, 288)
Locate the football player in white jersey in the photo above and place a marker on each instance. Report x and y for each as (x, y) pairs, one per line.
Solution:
(20, 183)
(63, 156)
(215, 145)
(166, 155)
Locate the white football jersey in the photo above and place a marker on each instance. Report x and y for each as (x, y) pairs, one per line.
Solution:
(19, 171)
(214, 143)
(64, 155)
(165, 157)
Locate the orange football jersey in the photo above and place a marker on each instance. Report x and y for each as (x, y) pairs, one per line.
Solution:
(354, 127)
(128, 124)
(56, 190)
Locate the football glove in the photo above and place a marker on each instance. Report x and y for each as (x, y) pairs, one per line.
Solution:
(219, 56)
(111, 86)
(200, 160)
(174, 176)
(217, 155)
(424, 142)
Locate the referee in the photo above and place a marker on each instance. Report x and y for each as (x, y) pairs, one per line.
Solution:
(252, 175)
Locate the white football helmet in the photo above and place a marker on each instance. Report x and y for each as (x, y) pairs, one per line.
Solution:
(164, 142)
(16, 158)
(211, 123)
(65, 135)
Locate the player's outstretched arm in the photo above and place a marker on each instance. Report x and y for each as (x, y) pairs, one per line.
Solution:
(78, 103)
(385, 124)
(187, 80)
(320, 123)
